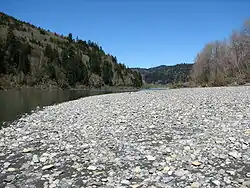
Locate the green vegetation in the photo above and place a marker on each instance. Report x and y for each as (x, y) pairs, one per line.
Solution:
(166, 75)
(35, 57)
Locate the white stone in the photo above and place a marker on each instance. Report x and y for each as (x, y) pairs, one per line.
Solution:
(35, 159)
(125, 182)
(150, 158)
(216, 182)
(235, 154)
(92, 168)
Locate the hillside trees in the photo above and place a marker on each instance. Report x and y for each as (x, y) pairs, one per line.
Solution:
(224, 62)
(43, 58)
(14, 55)
(107, 73)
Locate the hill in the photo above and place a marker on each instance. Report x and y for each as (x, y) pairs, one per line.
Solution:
(32, 56)
(166, 74)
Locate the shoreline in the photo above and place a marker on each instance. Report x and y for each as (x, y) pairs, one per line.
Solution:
(197, 137)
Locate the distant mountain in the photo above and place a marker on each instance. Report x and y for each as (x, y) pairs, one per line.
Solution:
(166, 74)
(32, 56)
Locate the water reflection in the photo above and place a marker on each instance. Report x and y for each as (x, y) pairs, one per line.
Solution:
(14, 103)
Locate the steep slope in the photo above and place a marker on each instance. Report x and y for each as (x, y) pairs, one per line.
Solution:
(166, 74)
(33, 56)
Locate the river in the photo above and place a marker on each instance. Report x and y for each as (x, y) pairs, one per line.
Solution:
(17, 102)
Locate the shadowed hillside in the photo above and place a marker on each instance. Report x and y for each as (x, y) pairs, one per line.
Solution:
(166, 74)
(32, 56)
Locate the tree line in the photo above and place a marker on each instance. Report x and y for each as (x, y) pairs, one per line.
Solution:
(63, 61)
(224, 62)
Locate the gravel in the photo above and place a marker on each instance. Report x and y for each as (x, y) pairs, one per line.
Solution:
(194, 137)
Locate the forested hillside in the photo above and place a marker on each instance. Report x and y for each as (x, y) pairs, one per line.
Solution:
(166, 74)
(224, 62)
(35, 57)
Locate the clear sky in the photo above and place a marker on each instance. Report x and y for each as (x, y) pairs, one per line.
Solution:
(141, 33)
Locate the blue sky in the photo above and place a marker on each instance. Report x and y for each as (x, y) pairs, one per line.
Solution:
(141, 33)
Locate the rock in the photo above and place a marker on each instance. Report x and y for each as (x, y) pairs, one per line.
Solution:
(150, 158)
(195, 185)
(227, 180)
(196, 163)
(155, 164)
(223, 156)
(187, 148)
(25, 166)
(166, 169)
(11, 169)
(166, 180)
(10, 186)
(104, 180)
(137, 169)
(85, 146)
(216, 182)
(170, 173)
(235, 154)
(28, 150)
(232, 139)
(136, 186)
(6, 165)
(84, 182)
(246, 183)
(167, 150)
(152, 170)
(43, 159)
(48, 167)
(240, 180)
(92, 168)
(221, 171)
(125, 182)
(181, 172)
(10, 178)
(182, 150)
(57, 173)
(35, 159)
(244, 146)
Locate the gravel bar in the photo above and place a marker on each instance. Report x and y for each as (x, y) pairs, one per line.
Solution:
(193, 137)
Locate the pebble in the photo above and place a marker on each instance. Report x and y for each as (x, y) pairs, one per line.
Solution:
(92, 168)
(6, 165)
(43, 159)
(180, 172)
(187, 148)
(196, 163)
(48, 167)
(165, 137)
(216, 182)
(125, 182)
(137, 169)
(227, 180)
(231, 172)
(11, 169)
(246, 183)
(35, 159)
(10, 178)
(28, 150)
(195, 185)
(150, 158)
(235, 154)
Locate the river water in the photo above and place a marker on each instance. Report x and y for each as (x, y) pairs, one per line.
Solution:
(17, 102)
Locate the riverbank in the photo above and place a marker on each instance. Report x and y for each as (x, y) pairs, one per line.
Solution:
(18, 102)
(77, 87)
(197, 137)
